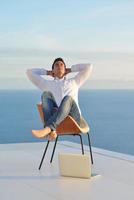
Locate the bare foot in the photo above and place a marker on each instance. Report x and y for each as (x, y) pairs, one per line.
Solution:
(52, 135)
(42, 132)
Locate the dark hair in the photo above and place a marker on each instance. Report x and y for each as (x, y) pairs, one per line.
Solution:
(56, 60)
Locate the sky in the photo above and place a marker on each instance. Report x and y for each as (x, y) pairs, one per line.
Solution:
(33, 33)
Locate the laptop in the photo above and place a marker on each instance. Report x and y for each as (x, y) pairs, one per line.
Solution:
(74, 165)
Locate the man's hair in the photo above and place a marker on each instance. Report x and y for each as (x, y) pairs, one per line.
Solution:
(56, 60)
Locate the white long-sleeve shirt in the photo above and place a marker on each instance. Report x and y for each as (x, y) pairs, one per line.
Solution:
(64, 86)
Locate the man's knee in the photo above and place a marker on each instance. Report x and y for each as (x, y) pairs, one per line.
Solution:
(46, 94)
(68, 98)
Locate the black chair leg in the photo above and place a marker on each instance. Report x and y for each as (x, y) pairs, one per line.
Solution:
(54, 149)
(82, 148)
(44, 155)
(90, 147)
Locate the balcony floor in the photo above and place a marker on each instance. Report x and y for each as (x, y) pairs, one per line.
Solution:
(21, 179)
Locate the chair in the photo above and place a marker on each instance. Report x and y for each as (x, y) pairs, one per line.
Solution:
(67, 127)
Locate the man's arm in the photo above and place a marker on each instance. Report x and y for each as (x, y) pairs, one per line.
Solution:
(84, 71)
(68, 70)
(50, 73)
(35, 76)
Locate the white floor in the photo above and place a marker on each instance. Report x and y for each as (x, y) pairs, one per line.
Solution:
(21, 179)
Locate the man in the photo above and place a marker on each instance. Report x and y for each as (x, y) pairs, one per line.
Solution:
(60, 95)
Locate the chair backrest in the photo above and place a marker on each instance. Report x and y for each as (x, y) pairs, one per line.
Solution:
(68, 125)
(40, 110)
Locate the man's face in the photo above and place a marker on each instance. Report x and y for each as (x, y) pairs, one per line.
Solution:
(59, 69)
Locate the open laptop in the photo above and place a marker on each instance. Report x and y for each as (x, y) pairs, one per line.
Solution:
(74, 165)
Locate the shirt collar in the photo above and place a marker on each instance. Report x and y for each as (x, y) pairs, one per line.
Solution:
(60, 79)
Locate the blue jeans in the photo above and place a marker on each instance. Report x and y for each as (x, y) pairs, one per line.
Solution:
(54, 115)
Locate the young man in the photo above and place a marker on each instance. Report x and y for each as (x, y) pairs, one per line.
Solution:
(60, 95)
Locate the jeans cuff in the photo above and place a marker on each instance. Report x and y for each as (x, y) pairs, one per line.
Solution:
(51, 126)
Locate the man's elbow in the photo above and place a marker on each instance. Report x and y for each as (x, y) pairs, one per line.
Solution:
(89, 67)
(28, 72)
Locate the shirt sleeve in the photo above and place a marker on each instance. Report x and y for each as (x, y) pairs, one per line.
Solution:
(84, 72)
(35, 76)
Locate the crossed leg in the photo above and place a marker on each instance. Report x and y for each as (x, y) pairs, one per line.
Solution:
(67, 107)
